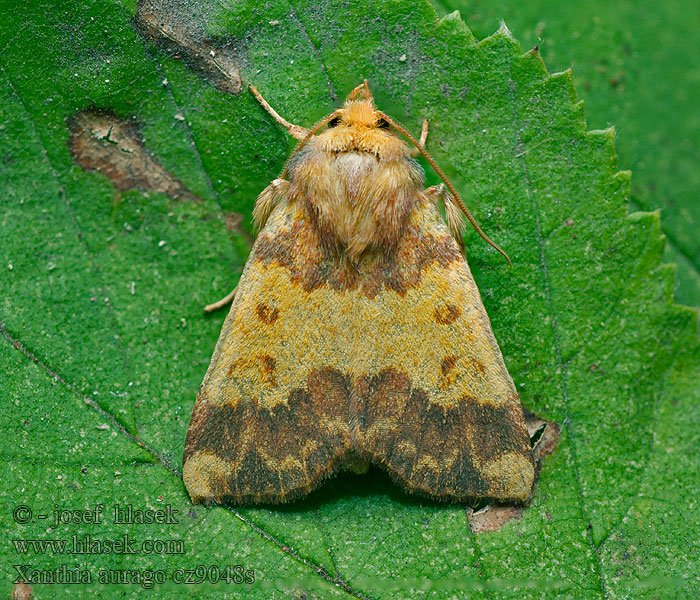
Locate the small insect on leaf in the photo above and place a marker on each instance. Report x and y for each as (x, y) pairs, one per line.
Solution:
(357, 335)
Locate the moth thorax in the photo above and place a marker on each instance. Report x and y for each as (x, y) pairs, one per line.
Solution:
(355, 170)
(374, 199)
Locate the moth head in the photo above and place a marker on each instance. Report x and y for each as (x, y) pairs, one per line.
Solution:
(359, 110)
(360, 127)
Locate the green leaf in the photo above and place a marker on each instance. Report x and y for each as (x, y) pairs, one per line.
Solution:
(634, 65)
(104, 340)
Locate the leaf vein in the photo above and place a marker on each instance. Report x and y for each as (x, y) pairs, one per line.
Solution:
(520, 156)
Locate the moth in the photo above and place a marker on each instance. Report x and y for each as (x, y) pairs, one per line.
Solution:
(357, 335)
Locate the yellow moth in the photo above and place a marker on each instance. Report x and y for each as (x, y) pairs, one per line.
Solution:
(357, 335)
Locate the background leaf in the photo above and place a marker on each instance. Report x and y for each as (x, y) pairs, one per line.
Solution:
(105, 342)
(634, 65)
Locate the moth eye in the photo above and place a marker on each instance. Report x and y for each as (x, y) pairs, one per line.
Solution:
(383, 124)
(334, 122)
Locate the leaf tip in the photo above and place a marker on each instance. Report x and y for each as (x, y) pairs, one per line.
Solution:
(607, 134)
(455, 15)
(454, 23)
(534, 58)
(651, 218)
(623, 177)
(567, 75)
(504, 31)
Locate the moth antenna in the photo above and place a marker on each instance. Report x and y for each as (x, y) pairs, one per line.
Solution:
(455, 194)
(295, 131)
(308, 136)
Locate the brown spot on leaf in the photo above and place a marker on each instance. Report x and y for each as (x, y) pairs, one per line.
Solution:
(447, 314)
(21, 591)
(101, 141)
(181, 33)
(492, 518)
(234, 223)
(448, 364)
(543, 438)
(266, 313)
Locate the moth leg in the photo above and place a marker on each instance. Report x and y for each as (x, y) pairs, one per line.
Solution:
(296, 131)
(424, 133)
(455, 219)
(223, 302)
(423, 138)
